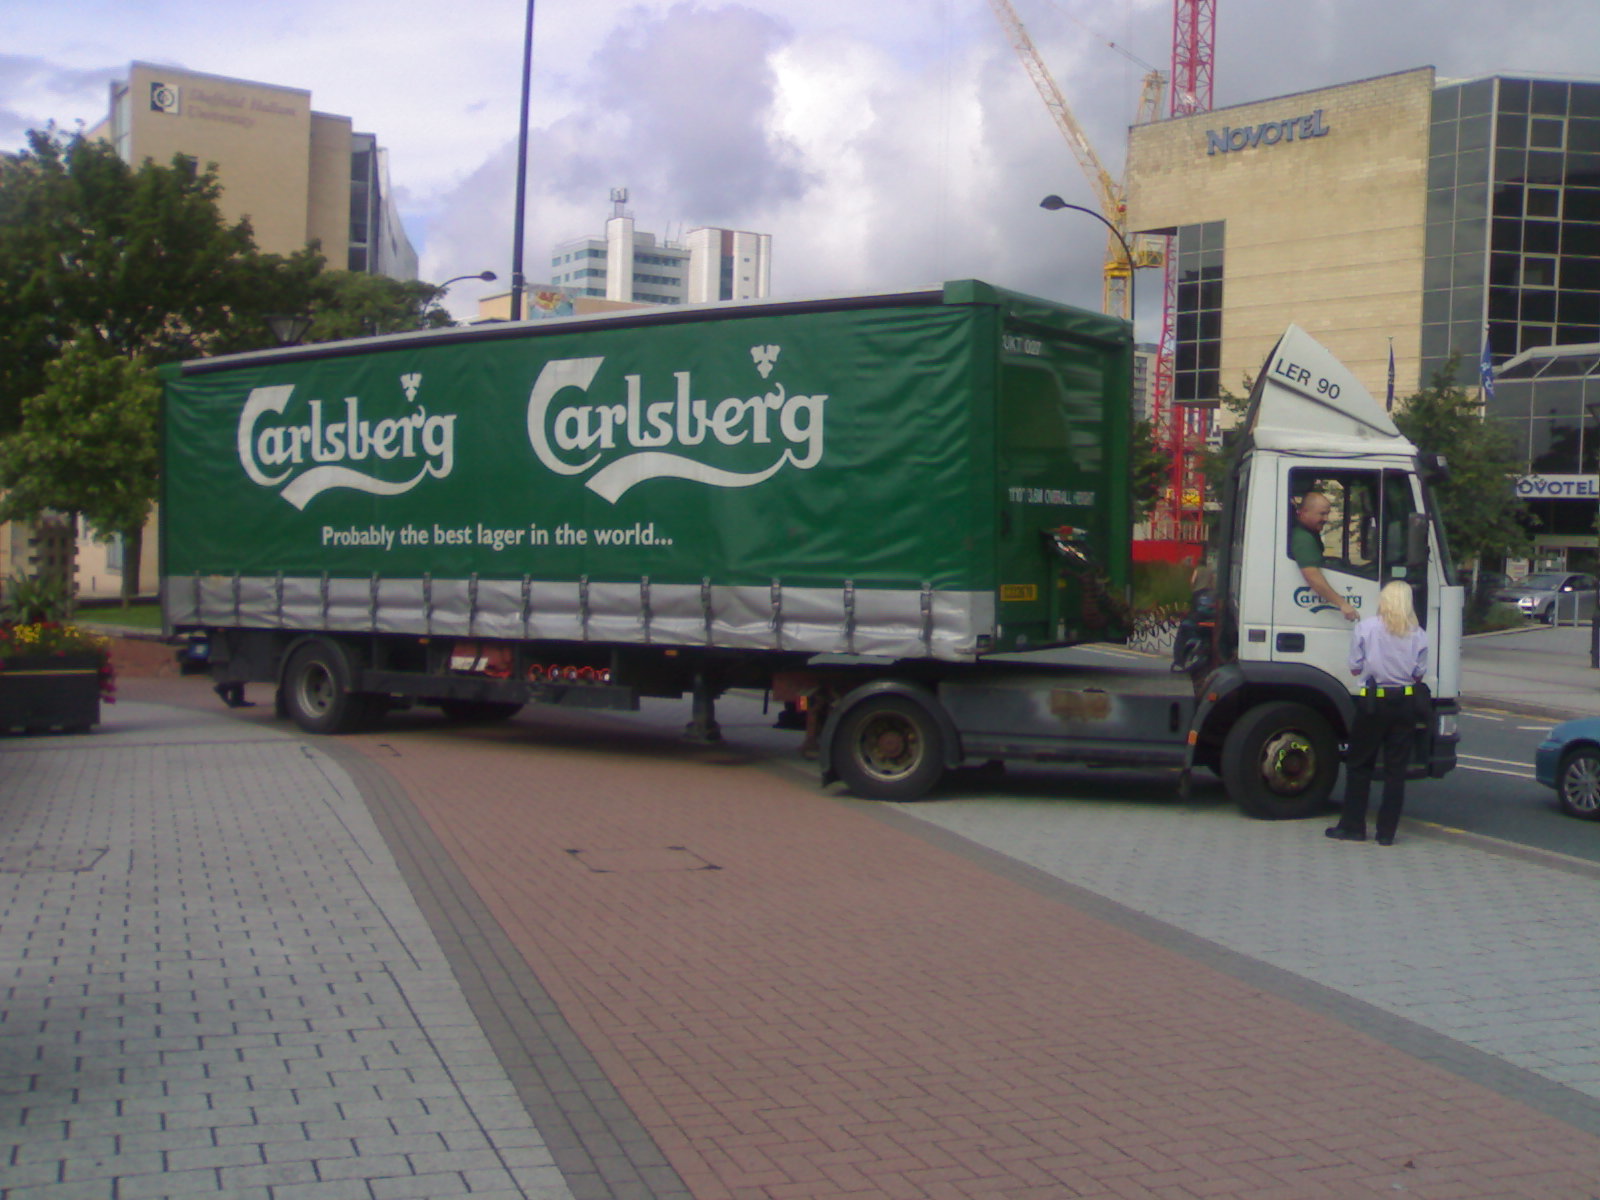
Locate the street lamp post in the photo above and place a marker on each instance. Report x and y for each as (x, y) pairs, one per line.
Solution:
(518, 217)
(1055, 204)
(486, 276)
(1593, 409)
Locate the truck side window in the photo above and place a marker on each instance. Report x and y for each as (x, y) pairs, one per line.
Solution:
(1399, 502)
(1353, 536)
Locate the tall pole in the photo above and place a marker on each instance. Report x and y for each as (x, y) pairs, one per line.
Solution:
(517, 282)
(1056, 204)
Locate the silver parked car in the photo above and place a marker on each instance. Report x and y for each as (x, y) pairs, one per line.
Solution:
(1552, 595)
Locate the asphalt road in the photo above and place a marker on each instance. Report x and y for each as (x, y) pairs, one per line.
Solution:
(1491, 793)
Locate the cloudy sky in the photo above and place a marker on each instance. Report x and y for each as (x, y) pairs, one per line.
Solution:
(883, 143)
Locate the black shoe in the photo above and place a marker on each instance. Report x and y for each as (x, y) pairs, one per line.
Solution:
(1386, 839)
(1340, 834)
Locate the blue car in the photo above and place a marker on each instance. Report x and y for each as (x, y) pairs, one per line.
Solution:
(1569, 760)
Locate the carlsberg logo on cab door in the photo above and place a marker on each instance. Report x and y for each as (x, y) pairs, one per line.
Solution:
(572, 429)
(338, 448)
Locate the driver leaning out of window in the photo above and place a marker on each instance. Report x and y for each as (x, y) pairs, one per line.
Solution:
(1305, 547)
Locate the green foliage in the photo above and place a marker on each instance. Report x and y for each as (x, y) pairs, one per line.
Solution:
(1498, 616)
(135, 260)
(341, 304)
(1214, 464)
(1151, 465)
(1482, 516)
(347, 304)
(1161, 585)
(30, 601)
(108, 270)
(143, 616)
(87, 443)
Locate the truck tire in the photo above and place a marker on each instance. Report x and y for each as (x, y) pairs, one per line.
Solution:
(479, 712)
(316, 691)
(888, 748)
(1279, 761)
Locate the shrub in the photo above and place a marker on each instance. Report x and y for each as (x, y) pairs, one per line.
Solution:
(1497, 616)
(1161, 585)
(35, 600)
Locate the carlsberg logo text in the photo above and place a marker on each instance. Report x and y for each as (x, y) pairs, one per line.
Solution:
(571, 430)
(335, 446)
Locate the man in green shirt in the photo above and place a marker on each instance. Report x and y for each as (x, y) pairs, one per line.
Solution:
(1305, 547)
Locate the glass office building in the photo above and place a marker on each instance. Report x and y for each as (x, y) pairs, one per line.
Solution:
(1513, 262)
(1434, 221)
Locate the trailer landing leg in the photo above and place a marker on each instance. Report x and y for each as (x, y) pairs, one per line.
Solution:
(702, 726)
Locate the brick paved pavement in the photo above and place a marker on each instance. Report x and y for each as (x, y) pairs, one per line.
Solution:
(698, 978)
(213, 981)
(799, 999)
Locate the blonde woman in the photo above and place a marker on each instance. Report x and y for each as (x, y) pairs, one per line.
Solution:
(1389, 653)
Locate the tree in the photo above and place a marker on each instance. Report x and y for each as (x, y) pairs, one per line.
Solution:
(346, 304)
(1481, 514)
(88, 446)
(139, 261)
(1152, 465)
(341, 304)
(108, 270)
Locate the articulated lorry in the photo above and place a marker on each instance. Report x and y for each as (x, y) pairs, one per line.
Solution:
(913, 508)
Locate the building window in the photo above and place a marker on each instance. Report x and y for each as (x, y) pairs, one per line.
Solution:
(1197, 373)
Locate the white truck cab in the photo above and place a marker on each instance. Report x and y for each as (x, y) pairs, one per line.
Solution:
(1312, 428)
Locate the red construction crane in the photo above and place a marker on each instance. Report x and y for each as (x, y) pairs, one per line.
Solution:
(1183, 428)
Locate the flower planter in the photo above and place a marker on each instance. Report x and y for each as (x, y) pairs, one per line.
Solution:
(42, 692)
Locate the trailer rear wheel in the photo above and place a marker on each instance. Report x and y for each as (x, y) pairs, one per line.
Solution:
(1279, 761)
(316, 691)
(888, 748)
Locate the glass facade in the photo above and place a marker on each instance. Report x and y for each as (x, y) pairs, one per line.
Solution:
(1197, 315)
(1513, 256)
(1513, 220)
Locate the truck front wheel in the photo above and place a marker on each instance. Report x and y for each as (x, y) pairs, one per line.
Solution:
(316, 691)
(888, 748)
(1279, 761)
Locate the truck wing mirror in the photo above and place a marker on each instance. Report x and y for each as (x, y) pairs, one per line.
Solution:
(1416, 543)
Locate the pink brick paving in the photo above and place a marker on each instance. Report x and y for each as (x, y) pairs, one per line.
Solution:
(843, 1010)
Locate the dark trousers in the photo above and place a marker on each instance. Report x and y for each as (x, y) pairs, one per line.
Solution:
(1386, 728)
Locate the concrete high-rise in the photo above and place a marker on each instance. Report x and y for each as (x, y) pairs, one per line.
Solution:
(710, 264)
(299, 175)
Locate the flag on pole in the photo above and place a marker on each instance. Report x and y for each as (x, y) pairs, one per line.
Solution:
(1389, 401)
(1486, 368)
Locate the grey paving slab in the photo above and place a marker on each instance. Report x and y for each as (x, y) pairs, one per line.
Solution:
(215, 981)
(1482, 948)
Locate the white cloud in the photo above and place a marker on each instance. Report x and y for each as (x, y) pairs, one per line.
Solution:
(882, 144)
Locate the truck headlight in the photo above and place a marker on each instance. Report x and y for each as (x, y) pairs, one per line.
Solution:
(1447, 725)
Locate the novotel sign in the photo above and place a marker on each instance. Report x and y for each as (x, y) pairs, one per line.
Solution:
(1268, 133)
(1558, 487)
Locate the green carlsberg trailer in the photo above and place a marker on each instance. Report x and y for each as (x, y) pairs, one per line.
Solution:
(890, 504)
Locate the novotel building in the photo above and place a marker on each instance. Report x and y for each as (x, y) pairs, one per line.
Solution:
(1431, 217)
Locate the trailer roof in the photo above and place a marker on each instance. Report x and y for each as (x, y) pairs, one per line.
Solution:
(964, 291)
